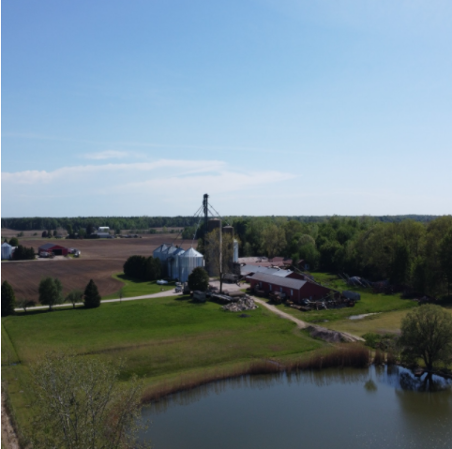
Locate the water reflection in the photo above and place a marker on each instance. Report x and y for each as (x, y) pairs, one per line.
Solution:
(373, 408)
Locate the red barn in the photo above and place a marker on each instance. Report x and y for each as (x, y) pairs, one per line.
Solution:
(52, 248)
(295, 289)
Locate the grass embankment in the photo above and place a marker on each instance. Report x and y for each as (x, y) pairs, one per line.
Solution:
(159, 339)
(133, 287)
(390, 308)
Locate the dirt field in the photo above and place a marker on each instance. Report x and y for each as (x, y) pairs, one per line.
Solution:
(100, 258)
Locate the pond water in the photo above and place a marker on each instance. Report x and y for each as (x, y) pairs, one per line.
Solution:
(343, 409)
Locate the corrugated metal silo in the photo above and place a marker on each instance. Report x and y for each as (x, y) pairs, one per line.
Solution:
(235, 257)
(188, 261)
(7, 251)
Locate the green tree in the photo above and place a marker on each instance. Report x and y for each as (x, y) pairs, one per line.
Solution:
(273, 240)
(445, 259)
(134, 267)
(427, 335)
(74, 297)
(198, 279)
(91, 296)
(24, 303)
(152, 269)
(14, 241)
(50, 292)
(82, 405)
(8, 299)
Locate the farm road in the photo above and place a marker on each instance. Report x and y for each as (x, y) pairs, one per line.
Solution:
(132, 298)
(302, 324)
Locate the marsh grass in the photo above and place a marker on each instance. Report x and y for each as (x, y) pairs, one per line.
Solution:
(349, 356)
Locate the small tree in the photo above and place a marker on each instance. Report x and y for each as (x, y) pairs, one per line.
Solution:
(14, 241)
(134, 267)
(50, 292)
(73, 297)
(24, 303)
(198, 279)
(427, 335)
(82, 405)
(44, 234)
(8, 299)
(91, 295)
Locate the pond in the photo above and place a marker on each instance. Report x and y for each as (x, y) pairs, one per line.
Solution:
(343, 409)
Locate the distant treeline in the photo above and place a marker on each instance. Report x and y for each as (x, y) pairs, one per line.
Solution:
(144, 222)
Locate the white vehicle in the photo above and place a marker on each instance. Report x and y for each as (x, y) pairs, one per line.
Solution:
(162, 282)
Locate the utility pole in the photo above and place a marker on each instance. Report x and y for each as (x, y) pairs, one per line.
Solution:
(205, 205)
(221, 258)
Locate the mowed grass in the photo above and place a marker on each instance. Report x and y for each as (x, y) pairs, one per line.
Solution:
(156, 336)
(134, 287)
(370, 303)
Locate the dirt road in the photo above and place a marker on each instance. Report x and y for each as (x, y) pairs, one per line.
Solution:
(302, 324)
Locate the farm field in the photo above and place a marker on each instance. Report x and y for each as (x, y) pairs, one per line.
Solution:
(100, 260)
(159, 339)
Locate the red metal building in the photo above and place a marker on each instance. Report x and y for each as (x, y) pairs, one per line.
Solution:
(57, 250)
(295, 289)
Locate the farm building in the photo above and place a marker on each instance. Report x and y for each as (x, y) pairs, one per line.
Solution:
(7, 251)
(103, 232)
(295, 289)
(176, 262)
(51, 248)
(249, 270)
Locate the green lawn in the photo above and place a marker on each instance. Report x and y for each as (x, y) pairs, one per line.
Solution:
(133, 287)
(370, 303)
(157, 339)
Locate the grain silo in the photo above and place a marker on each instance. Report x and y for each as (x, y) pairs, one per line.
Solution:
(160, 252)
(188, 261)
(7, 251)
(173, 263)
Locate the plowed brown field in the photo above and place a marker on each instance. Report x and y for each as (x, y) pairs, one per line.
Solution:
(99, 260)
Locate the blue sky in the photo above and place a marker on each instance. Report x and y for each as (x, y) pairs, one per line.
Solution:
(272, 107)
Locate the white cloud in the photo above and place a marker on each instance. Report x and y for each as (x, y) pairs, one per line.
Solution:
(108, 154)
(162, 168)
(163, 186)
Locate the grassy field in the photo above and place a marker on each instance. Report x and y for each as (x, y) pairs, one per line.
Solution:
(158, 339)
(392, 309)
(133, 287)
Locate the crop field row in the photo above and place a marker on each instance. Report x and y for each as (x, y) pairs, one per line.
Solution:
(100, 260)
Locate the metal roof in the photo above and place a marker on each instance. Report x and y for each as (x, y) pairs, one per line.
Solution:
(6, 245)
(295, 284)
(264, 269)
(191, 253)
(51, 245)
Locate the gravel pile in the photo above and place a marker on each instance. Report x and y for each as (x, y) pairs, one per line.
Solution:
(241, 305)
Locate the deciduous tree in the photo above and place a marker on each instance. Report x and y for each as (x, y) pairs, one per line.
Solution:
(50, 292)
(74, 297)
(81, 405)
(198, 279)
(427, 335)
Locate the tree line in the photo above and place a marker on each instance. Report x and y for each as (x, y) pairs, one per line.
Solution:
(50, 294)
(408, 252)
(145, 222)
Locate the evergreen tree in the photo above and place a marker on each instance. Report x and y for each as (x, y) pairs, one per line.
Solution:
(91, 296)
(8, 299)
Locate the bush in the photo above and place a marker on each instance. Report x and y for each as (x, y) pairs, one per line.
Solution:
(23, 253)
(198, 279)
